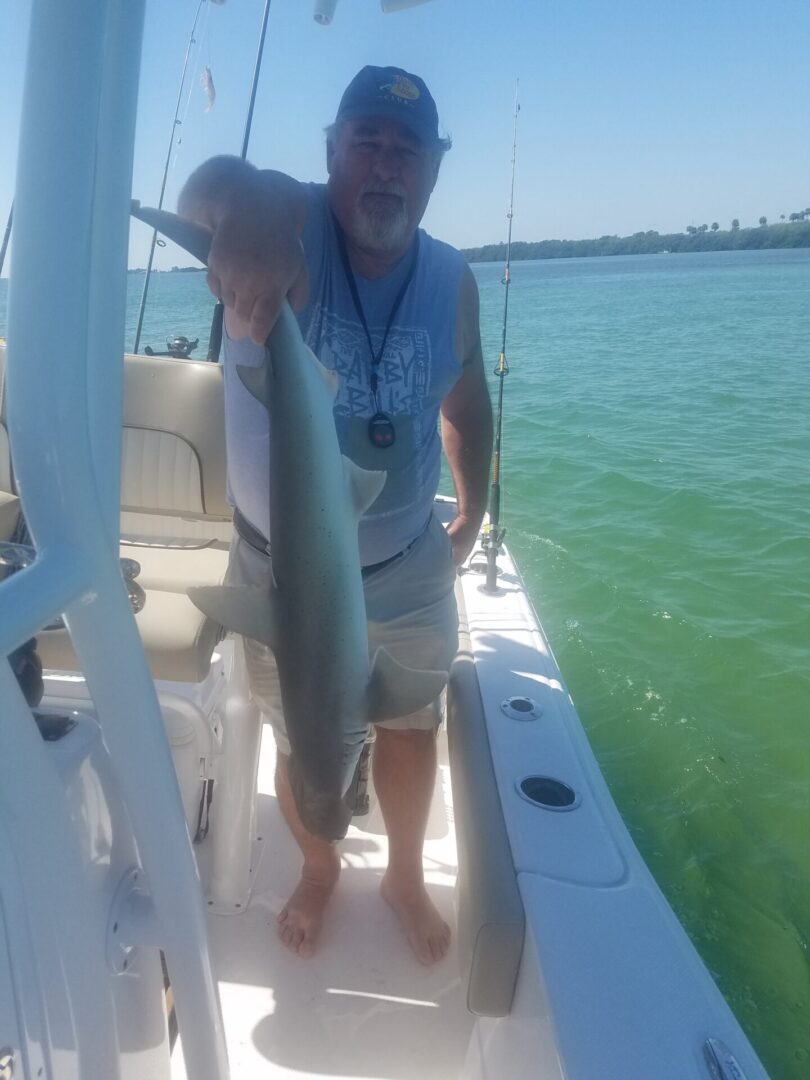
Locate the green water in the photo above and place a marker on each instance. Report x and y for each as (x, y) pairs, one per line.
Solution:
(656, 475)
(658, 496)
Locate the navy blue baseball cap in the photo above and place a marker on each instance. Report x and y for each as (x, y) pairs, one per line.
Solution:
(393, 94)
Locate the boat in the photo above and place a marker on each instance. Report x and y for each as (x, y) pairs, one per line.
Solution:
(142, 854)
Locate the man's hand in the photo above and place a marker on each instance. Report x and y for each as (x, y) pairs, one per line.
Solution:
(254, 264)
(256, 259)
(463, 533)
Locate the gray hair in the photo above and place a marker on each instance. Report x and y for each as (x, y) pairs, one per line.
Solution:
(438, 149)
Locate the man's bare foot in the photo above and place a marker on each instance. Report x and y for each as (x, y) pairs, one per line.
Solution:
(426, 930)
(300, 920)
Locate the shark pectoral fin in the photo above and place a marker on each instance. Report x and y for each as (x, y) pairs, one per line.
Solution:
(246, 610)
(362, 485)
(254, 380)
(394, 690)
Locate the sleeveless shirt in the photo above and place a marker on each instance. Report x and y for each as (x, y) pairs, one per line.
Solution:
(418, 368)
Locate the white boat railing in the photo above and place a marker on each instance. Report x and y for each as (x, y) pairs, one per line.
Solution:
(64, 392)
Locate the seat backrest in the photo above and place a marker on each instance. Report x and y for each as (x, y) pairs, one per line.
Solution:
(173, 452)
(173, 486)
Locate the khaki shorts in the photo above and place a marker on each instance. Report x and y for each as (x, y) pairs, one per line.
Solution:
(411, 611)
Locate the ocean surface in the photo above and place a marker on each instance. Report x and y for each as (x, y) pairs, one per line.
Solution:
(656, 492)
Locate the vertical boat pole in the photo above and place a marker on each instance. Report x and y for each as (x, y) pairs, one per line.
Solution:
(215, 339)
(495, 534)
(175, 123)
(64, 426)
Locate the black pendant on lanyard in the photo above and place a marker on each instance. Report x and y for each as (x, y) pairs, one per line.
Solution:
(381, 430)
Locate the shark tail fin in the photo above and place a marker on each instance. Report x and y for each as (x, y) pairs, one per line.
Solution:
(395, 690)
(246, 610)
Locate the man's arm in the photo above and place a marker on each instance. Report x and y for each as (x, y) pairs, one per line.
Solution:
(466, 420)
(256, 259)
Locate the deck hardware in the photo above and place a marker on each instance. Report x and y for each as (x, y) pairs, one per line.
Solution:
(521, 708)
(721, 1062)
(6, 1063)
(20, 556)
(130, 568)
(53, 726)
(16, 556)
(549, 794)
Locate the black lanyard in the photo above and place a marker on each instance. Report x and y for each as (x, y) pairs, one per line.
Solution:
(376, 357)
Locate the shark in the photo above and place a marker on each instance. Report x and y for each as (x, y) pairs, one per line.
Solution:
(312, 615)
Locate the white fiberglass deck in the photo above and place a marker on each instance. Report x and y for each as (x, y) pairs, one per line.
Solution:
(363, 1006)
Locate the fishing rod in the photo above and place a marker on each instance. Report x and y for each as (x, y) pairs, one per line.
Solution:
(494, 534)
(6, 235)
(175, 122)
(215, 339)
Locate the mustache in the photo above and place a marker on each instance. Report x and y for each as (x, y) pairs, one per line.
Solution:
(383, 187)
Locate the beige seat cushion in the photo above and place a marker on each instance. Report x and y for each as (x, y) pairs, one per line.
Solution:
(177, 637)
(9, 513)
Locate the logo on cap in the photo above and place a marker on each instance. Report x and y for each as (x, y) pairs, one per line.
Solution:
(402, 88)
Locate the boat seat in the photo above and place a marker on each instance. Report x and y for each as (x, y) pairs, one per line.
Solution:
(175, 519)
(178, 640)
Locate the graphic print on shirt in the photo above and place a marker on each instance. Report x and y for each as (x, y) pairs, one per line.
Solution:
(403, 374)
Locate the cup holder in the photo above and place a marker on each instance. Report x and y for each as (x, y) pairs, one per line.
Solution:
(548, 793)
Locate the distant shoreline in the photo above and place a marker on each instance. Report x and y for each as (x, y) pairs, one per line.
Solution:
(174, 270)
(795, 234)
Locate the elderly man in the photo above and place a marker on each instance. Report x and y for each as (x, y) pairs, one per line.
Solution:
(394, 313)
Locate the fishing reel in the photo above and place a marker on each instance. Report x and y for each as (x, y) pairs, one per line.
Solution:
(179, 348)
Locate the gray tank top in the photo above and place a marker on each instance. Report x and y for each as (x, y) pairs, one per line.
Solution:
(418, 368)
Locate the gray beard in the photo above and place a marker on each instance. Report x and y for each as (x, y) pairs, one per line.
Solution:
(381, 230)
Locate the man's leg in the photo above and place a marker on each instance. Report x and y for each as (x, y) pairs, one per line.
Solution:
(404, 767)
(301, 918)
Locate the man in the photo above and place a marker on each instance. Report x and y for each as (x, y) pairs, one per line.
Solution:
(395, 314)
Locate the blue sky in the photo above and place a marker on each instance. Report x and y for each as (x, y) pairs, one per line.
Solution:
(635, 114)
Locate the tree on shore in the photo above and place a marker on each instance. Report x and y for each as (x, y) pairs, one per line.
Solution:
(715, 226)
(795, 234)
(735, 224)
(763, 220)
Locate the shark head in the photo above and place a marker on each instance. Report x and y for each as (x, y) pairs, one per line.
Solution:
(323, 812)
